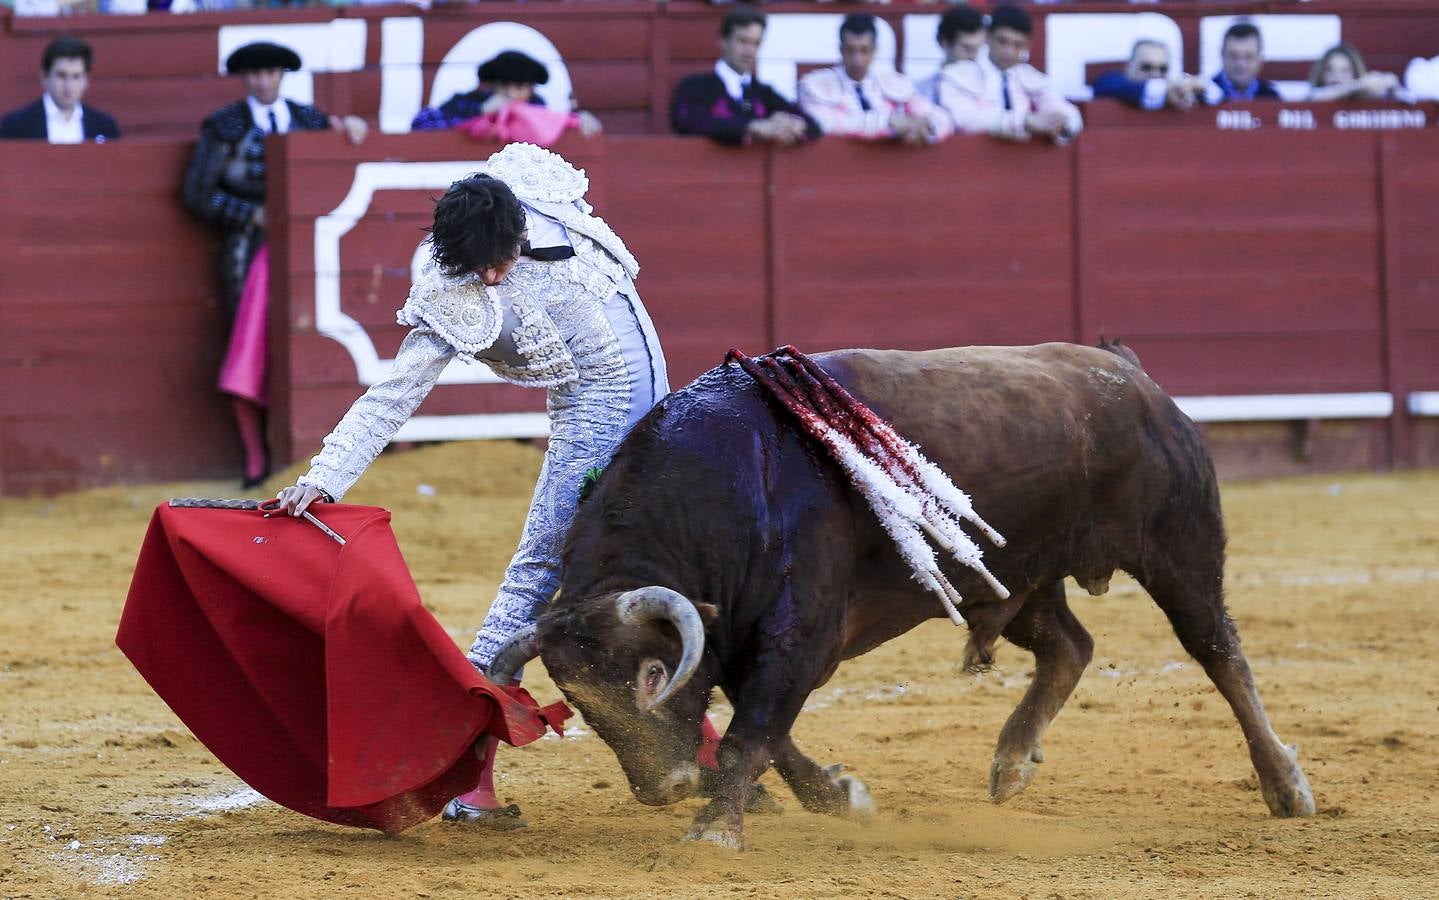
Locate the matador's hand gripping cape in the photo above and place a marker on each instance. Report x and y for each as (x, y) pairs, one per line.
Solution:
(311, 668)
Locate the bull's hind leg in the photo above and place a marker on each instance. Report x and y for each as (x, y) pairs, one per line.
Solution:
(1194, 603)
(1062, 648)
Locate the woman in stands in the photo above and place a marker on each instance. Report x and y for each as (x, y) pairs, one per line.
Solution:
(1340, 75)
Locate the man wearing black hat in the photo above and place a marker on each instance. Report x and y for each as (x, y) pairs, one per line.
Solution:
(508, 78)
(225, 185)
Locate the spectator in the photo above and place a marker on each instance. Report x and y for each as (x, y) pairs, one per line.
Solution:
(1340, 75)
(508, 78)
(730, 104)
(1147, 83)
(58, 116)
(225, 185)
(1242, 57)
(855, 100)
(1003, 95)
(961, 36)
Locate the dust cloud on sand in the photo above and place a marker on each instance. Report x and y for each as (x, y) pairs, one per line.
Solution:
(1147, 789)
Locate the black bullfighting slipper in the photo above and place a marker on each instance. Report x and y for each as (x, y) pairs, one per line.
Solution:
(504, 818)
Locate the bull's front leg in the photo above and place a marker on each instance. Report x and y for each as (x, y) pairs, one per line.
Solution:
(765, 709)
(822, 790)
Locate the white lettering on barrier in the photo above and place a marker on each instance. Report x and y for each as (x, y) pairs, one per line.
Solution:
(1300, 119)
(334, 46)
(1236, 120)
(402, 76)
(1380, 119)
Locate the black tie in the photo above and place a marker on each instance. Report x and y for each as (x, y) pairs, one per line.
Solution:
(1004, 88)
(274, 123)
(863, 102)
(546, 254)
(746, 103)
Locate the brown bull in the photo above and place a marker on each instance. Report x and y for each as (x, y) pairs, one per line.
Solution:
(723, 548)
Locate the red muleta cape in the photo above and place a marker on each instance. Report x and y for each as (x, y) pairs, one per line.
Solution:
(313, 670)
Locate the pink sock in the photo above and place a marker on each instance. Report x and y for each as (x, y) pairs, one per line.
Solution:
(483, 796)
(707, 756)
(250, 419)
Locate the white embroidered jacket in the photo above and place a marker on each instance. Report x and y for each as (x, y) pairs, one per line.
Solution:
(543, 326)
(829, 95)
(974, 93)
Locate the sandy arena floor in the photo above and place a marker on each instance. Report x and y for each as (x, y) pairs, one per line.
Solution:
(1147, 791)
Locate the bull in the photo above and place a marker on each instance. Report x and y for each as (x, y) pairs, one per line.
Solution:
(723, 548)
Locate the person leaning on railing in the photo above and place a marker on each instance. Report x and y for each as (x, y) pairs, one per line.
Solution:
(1340, 75)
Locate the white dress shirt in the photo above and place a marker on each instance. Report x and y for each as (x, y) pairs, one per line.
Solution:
(261, 113)
(734, 82)
(60, 130)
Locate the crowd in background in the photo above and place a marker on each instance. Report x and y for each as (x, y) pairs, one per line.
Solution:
(984, 86)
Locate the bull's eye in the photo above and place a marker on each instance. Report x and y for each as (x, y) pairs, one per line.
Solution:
(654, 672)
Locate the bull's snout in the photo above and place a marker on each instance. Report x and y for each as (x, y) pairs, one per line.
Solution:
(680, 783)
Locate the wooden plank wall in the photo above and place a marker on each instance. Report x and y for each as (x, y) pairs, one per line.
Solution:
(110, 333)
(157, 73)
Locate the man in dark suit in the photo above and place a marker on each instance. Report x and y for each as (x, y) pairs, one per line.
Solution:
(1147, 83)
(58, 116)
(1242, 56)
(730, 104)
(225, 185)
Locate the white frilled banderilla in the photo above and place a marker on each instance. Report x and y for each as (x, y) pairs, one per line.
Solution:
(911, 496)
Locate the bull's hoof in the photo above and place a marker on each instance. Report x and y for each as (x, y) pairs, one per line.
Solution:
(719, 835)
(861, 804)
(1289, 796)
(1008, 777)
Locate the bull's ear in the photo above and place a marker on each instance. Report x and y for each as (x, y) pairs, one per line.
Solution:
(708, 612)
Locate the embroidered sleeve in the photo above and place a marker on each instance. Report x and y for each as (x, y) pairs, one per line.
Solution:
(462, 311)
(202, 192)
(378, 414)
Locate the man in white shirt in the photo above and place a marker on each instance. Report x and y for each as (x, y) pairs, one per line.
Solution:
(1003, 95)
(854, 99)
(58, 116)
(961, 35)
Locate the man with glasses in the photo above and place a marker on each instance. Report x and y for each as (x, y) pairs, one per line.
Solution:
(1147, 83)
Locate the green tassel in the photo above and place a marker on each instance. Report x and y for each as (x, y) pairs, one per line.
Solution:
(588, 482)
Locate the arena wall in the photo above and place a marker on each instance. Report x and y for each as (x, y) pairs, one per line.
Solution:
(1272, 265)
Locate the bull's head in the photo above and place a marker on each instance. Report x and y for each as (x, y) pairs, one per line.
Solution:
(627, 661)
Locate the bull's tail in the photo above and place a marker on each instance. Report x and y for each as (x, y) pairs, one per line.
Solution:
(1119, 349)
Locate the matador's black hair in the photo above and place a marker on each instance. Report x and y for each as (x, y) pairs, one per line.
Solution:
(478, 225)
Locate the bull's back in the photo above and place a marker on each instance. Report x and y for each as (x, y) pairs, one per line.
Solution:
(1050, 428)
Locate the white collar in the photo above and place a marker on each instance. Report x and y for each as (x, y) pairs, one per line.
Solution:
(734, 82)
(53, 110)
(260, 113)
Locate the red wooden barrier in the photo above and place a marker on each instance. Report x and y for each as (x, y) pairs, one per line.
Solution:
(1266, 262)
(110, 336)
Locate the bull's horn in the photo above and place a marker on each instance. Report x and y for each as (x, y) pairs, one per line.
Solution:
(523, 646)
(647, 604)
